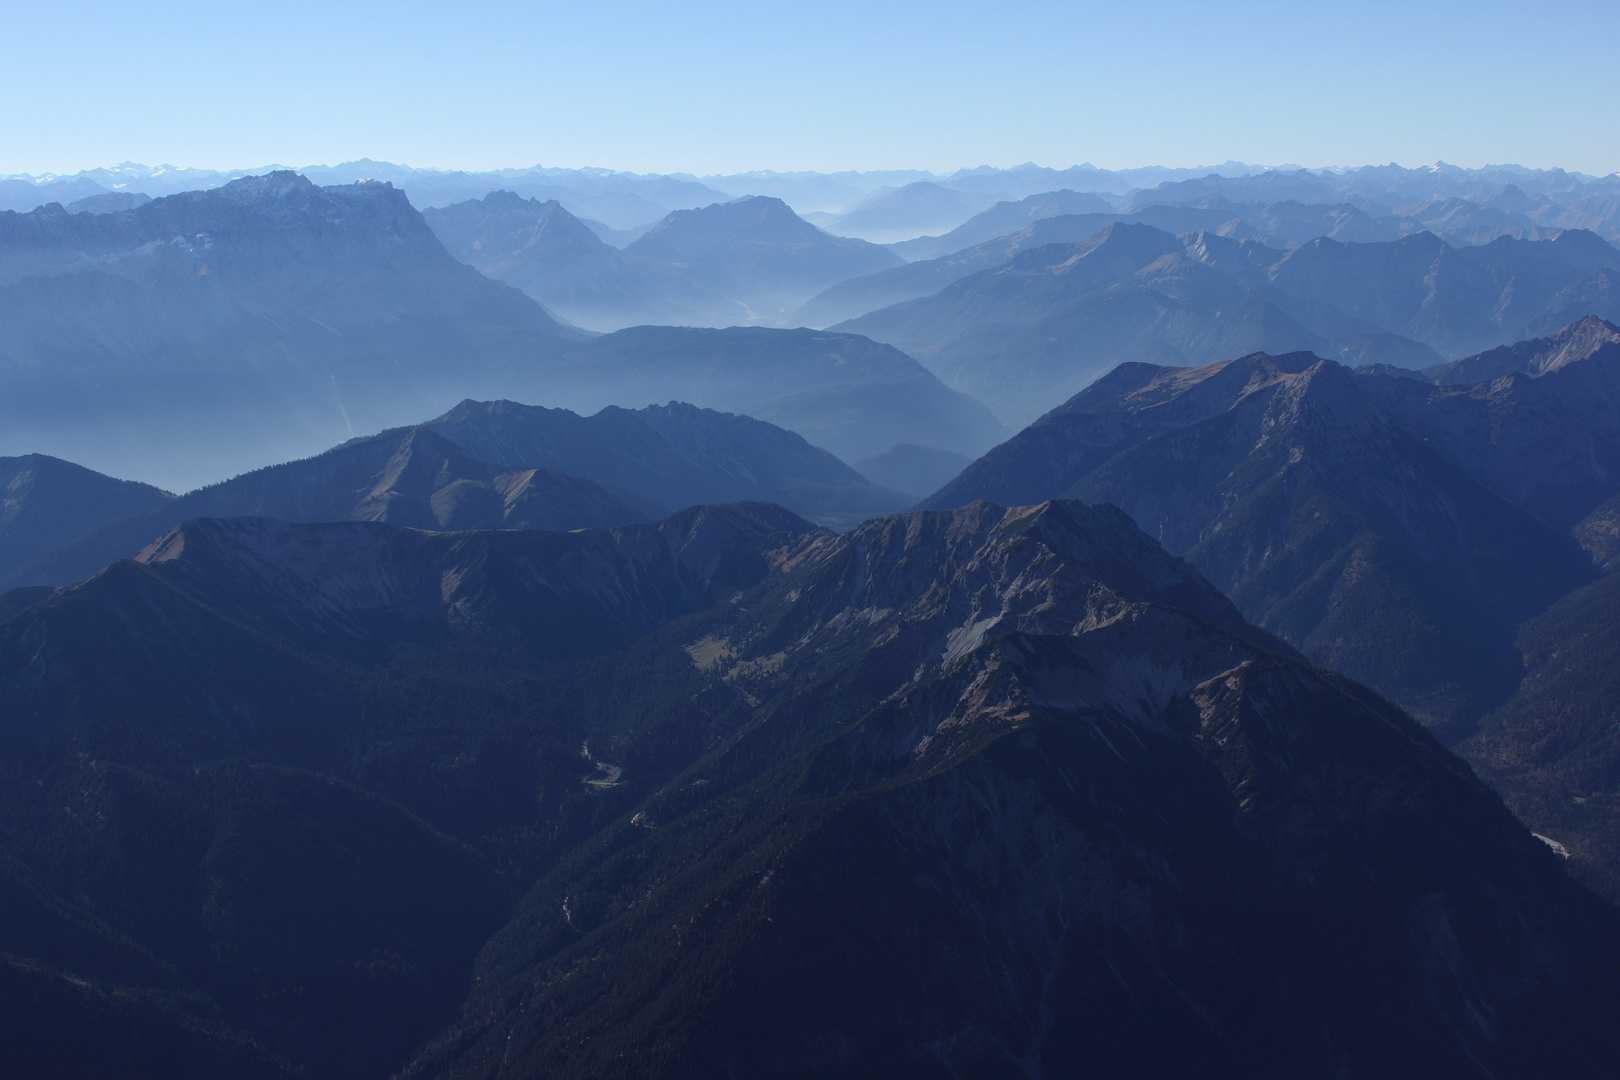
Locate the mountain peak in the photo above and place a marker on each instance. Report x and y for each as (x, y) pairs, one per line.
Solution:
(1578, 341)
(688, 235)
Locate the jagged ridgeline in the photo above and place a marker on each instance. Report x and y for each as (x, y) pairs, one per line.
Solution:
(1026, 319)
(1397, 526)
(208, 333)
(482, 465)
(967, 792)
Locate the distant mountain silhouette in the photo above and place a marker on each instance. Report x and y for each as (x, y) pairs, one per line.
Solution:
(109, 203)
(915, 470)
(743, 263)
(1001, 219)
(555, 258)
(842, 392)
(252, 319)
(757, 252)
(213, 332)
(1051, 319)
(1290, 222)
(22, 195)
(858, 296)
(1045, 323)
(1458, 300)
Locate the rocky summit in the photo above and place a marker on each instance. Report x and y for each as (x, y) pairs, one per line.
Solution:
(1392, 528)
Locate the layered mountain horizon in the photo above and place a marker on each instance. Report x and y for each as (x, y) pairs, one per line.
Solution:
(1018, 622)
(271, 317)
(1518, 196)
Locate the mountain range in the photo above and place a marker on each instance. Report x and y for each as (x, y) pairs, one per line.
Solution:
(1285, 223)
(561, 262)
(483, 465)
(857, 296)
(251, 319)
(1393, 528)
(209, 333)
(598, 193)
(1251, 712)
(1050, 319)
(675, 799)
(741, 263)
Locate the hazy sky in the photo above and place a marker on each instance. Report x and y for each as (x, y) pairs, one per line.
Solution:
(718, 87)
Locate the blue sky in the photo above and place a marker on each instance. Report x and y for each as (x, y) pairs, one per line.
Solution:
(720, 87)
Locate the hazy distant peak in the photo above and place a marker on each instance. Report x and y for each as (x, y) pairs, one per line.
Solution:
(688, 235)
(1577, 341)
(1137, 238)
(1120, 247)
(271, 185)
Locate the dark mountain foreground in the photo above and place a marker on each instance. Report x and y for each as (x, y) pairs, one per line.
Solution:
(1553, 750)
(972, 792)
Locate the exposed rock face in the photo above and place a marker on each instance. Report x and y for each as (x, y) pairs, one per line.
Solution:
(1538, 356)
